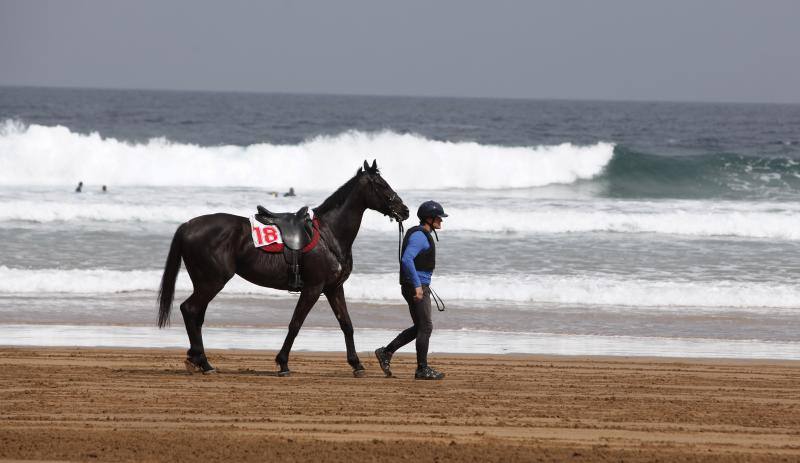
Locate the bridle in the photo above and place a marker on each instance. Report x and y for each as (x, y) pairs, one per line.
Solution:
(389, 199)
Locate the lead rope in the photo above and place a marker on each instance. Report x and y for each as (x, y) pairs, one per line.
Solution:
(435, 296)
(400, 241)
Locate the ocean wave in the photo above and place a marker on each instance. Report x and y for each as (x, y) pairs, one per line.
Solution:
(525, 289)
(699, 220)
(681, 218)
(42, 155)
(635, 174)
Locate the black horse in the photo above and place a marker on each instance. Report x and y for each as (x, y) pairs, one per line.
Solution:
(217, 246)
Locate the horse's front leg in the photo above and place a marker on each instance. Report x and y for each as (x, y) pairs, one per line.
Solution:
(339, 305)
(308, 297)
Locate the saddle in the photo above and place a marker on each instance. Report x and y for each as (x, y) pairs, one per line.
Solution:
(297, 232)
(296, 228)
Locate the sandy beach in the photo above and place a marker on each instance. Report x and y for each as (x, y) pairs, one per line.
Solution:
(141, 405)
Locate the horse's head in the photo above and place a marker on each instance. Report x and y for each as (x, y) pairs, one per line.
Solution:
(379, 196)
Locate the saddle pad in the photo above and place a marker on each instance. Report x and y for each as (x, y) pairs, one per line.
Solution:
(270, 236)
(264, 235)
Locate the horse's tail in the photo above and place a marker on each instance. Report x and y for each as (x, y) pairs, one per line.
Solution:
(167, 289)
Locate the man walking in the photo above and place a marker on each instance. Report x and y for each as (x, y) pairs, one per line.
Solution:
(416, 268)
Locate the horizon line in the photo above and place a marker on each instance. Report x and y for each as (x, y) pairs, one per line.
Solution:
(375, 95)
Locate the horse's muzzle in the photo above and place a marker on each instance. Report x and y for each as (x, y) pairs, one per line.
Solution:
(399, 215)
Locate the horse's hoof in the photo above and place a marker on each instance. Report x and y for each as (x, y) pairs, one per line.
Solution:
(192, 367)
(284, 373)
(360, 373)
(204, 368)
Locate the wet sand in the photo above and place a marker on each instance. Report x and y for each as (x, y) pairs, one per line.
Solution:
(141, 405)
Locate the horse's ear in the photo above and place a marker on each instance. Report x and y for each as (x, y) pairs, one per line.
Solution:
(374, 165)
(358, 172)
(366, 166)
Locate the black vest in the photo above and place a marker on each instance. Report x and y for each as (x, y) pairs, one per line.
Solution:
(425, 260)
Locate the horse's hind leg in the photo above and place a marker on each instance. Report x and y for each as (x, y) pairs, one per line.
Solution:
(193, 310)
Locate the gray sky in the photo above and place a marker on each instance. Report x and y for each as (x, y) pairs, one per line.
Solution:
(699, 50)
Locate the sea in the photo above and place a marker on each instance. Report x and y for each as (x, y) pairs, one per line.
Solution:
(574, 228)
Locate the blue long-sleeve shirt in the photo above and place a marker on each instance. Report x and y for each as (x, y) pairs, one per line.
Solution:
(417, 243)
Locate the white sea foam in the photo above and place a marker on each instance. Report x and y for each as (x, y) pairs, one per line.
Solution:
(450, 341)
(698, 219)
(44, 212)
(688, 218)
(524, 289)
(589, 290)
(42, 155)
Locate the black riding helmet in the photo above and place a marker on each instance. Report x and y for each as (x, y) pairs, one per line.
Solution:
(430, 210)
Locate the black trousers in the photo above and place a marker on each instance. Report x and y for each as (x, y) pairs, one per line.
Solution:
(423, 326)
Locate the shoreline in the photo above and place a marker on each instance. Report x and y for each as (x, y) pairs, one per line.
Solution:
(141, 405)
(477, 342)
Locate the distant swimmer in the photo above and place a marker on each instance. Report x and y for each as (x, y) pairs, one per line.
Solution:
(290, 192)
(79, 188)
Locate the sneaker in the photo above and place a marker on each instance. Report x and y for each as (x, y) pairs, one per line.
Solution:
(384, 357)
(428, 373)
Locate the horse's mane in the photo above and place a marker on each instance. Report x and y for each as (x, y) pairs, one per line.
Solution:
(338, 197)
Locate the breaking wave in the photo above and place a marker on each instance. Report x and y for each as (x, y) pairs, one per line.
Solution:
(634, 174)
(42, 155)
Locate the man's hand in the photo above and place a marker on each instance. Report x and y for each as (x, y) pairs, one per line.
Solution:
(418, 295)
